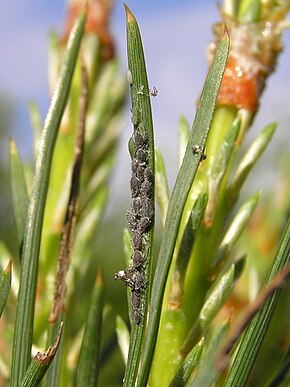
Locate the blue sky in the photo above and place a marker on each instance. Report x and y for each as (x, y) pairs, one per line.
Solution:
(175, 36)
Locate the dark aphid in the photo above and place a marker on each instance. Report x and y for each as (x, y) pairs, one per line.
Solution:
(121, 275)
(144, 225)
(132, 278)
(147, 174)
(147, 209)
(146, 188)
(137, 259)
(135, 186)
(137, 280)
(137, 241)
(196, 149)
(136, 205)
(134, 165)
(136, 304)
(135, 300)
(141, 156)
(137, 316)
(140, 172)
(140, 141)
(126, 276)
(132, 222)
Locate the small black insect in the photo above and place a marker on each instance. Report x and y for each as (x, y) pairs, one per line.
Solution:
(132, 222)
(147, 209)
(146, 188)
(136, 205)
(135, 300)
(140, 172)
(147, 174)
(196, 149)
(144, 225)
(134, 165)
(137, 316)
(137, 259)
(140, 141)
(135, 186)
(126, 276)
(132, 278)
(141, 157)
(137, 280)
(136, 306)
(137, 241)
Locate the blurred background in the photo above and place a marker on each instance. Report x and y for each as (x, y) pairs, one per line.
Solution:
(175, 36)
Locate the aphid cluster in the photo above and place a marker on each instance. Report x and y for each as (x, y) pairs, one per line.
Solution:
(141, 214)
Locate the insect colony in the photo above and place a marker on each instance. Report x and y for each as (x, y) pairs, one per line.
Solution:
(140, 217)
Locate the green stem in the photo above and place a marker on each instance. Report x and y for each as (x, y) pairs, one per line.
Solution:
(181, 190)
(143, 125)
(255, 333)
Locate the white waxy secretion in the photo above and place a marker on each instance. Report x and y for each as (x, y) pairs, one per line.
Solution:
(129, 77)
